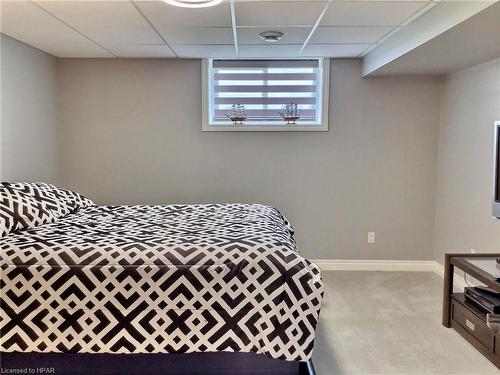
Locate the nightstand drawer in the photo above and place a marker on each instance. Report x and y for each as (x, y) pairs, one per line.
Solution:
(472, 324)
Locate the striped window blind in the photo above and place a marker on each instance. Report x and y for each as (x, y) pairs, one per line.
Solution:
(264, 87)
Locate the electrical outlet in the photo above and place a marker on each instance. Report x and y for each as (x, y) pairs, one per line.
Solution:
(473, 251)
(371, 237)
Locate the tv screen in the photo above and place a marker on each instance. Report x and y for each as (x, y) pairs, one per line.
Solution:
(496, 197)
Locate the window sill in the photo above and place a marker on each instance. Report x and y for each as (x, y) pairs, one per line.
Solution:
(264, 128)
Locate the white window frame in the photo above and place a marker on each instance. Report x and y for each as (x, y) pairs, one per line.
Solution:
(208, 126)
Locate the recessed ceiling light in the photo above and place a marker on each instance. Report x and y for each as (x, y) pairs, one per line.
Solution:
(193, 3)
(271, 36)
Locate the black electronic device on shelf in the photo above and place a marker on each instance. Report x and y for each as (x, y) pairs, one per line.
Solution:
(484, 297)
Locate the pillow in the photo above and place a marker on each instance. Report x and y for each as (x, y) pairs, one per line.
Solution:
(19, 211)
(59, 201)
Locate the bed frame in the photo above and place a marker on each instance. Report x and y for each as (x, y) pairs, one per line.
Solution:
(140, 364)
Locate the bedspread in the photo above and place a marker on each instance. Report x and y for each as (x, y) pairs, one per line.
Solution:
(160, 279)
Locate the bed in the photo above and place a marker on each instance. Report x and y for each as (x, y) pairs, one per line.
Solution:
(78, 278)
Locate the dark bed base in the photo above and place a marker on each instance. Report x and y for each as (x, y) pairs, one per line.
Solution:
(150, 364)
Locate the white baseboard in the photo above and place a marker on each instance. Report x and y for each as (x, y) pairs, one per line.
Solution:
(377, 265)
(387, 265)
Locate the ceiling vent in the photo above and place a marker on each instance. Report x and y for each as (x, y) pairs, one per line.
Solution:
(271, 36)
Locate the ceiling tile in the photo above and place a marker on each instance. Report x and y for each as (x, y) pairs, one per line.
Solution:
(28, 23)
(370, 13)
(98, 14)
(163, 15)
(21, 14)
(349, 34)
(390, 1)
(58, 41)
(269, 51)
(142, 51)
(334, 50)
(291, 35)
(122, 35)
(197, 35)
(204, 51)
(280, 13)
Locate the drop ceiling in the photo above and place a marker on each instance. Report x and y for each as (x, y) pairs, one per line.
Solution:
(143, 29)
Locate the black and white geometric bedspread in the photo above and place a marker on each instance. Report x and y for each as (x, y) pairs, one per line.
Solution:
(159, 279)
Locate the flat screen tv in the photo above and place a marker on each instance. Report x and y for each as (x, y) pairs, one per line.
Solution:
(496, 187)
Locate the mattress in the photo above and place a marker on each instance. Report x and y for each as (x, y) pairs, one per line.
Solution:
(159, 279)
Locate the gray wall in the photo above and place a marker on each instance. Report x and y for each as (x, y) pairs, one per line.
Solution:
(28, 138)
(131, 133)
(470, 105)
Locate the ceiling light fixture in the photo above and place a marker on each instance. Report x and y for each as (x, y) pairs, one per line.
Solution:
(193, 3)
(271, 36)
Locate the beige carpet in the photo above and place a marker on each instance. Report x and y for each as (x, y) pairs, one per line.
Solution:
(389, 323)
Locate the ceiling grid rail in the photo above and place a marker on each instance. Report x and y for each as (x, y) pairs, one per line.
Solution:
(233, 24)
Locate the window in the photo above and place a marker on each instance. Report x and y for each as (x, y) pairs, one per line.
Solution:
(261, 89)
